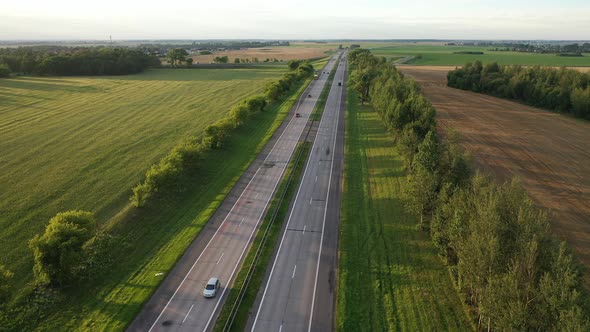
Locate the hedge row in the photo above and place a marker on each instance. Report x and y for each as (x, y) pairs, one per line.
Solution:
(166, 175)
(512, 273)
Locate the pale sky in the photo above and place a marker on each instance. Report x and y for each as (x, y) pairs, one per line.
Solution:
(296, 19)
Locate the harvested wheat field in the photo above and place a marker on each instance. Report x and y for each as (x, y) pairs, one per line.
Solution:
(549, 152)
(283, 53)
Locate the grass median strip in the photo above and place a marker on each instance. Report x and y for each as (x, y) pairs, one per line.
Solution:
(277, 212)
(383, 259)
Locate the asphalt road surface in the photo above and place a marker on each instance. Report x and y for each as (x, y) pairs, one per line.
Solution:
(299, 291)
(185, 309)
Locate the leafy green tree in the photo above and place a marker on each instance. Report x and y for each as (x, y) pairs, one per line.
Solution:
(189, 62)
(237, 60)
(580, 99)
(221, 59)
(273, 91)
(421, 192)
(4, 71)
(293, 64)
(177, 56)
(5, 284)
(428, 155)
(58, 253)
(559, 295)
(361, 83)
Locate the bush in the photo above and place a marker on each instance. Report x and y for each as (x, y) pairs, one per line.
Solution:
(5, 284)
(58, 253)
(4, 71)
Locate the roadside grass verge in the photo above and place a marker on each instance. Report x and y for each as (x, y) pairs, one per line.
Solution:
(288, 185)
(390, 276)
(151, 240)
(320, 63)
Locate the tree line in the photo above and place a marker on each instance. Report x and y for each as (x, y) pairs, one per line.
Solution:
(166, 176)
(543, 48)
(497, 245)
(87, 61)
(563, 90)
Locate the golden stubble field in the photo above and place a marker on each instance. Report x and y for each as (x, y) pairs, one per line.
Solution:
(284, 53)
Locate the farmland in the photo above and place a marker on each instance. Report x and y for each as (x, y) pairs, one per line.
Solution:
(390, 276)
(282, 53)
(86, 141)
(443, 55)
(546, 150)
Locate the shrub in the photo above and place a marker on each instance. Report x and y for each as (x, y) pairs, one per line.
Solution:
(58, 253)
(5, 284)
(4, 71)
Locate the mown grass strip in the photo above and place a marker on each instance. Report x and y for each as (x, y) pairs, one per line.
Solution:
(279, 209)
(383, 259)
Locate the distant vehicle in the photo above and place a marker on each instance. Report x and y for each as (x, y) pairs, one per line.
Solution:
(315, 76)
(211, 288)
(339, 83)
(308, 96)
(297, 115)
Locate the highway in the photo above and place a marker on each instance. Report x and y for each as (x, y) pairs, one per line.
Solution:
(178, 304)
(298, 293)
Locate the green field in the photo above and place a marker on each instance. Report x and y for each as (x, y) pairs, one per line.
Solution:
(82, 143)
(390, 276)
(441, 55)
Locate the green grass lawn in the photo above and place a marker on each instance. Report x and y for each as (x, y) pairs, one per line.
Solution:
(390, 276)
(441, 55)
(150, 240)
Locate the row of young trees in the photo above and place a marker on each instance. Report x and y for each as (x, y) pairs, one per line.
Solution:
(167, 175)
(497, 244)
(562, 90)
(77, 61)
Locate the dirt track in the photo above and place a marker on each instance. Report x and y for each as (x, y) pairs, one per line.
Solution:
(548, 151)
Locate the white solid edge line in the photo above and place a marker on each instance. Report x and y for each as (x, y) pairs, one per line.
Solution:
(225, 219)
(325, 211)
(283, 237)
(255, 227)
